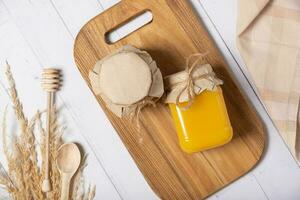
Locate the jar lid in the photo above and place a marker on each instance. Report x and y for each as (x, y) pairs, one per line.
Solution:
(125, 78)
(178, 85)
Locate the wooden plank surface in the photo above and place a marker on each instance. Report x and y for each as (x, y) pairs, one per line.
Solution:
(54, 47)
(170, 38)
(276, 177)
(23, 61)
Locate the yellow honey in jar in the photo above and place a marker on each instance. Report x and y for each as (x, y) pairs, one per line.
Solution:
(205, 124)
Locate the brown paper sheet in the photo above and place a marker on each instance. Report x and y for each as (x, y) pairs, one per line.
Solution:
(176, 83)
(127, 80)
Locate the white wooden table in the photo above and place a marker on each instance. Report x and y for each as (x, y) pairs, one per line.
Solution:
(39, 33)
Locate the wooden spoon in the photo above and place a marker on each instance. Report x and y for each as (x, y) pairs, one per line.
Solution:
(68, 161)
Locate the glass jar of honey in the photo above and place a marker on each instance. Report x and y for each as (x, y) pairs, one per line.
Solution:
(204, 124)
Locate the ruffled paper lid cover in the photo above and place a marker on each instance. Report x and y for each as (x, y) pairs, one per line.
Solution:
(126, 78)
(176, 83)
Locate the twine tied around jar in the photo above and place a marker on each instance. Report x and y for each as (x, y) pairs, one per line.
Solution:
(187, 84)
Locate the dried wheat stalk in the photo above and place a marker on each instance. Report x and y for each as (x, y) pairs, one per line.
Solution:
(24, 175)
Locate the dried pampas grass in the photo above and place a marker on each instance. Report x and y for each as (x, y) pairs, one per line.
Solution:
(23, 177)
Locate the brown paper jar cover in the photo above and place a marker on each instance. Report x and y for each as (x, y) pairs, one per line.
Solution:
(126, 79)
(203, 78)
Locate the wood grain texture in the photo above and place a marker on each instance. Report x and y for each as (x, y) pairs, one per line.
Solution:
(174, 33)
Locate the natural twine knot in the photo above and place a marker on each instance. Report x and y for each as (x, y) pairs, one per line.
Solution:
(148, 101)
(189, 84)
(135, 114)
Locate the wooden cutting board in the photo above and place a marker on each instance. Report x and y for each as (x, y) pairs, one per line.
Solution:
(174, 33)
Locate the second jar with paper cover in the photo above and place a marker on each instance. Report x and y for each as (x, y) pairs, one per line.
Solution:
(201, 122)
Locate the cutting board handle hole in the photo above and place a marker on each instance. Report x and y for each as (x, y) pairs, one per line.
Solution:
(128, 27)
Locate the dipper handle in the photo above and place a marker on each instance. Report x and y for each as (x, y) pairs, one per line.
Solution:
(51, 82)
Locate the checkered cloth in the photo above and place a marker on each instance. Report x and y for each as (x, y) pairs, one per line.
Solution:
(269, 42)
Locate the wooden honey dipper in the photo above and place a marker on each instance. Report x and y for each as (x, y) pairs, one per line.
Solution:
(51, 82)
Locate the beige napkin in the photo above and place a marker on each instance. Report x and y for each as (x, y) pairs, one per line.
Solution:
(269, 42)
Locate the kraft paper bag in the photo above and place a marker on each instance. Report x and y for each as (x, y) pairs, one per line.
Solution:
(269, 42)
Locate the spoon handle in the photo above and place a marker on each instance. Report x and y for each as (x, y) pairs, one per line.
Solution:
(65, 186)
